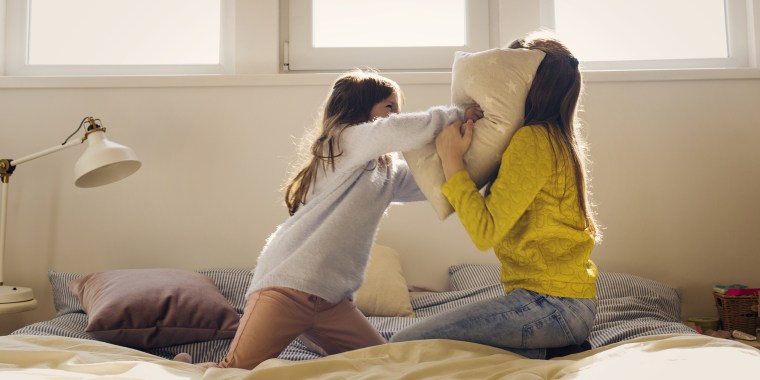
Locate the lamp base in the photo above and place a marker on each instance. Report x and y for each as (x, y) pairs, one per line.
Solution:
(12, 294)
(17, 307)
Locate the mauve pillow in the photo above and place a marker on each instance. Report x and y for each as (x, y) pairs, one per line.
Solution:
(156, 307)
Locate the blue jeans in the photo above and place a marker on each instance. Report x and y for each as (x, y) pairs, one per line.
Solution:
(523, 322)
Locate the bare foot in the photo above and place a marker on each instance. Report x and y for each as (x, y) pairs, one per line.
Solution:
(183, 357)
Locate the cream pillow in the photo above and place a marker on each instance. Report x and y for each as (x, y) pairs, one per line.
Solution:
(498, 80)
(384, 292)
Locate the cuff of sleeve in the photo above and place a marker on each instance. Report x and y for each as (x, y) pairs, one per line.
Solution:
(460, 111)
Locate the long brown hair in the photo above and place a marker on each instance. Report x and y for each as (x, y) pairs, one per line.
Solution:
(348, 103)
(552, 102)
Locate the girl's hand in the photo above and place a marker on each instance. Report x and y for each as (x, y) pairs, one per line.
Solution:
(473, 112)
(451, 145)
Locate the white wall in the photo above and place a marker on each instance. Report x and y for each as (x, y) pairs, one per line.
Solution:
(675, 178)
(675, 169)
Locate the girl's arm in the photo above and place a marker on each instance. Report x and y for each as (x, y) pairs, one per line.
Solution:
(451, 145)
(525, 167)
(396, 133)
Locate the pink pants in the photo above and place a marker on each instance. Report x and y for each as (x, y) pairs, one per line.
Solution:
(273, 317)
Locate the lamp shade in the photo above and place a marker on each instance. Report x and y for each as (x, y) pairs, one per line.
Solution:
(104, 162)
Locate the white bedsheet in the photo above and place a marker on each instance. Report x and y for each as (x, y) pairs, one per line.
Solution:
(648, 358)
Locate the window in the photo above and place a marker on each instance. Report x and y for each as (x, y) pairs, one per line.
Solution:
(116, 37)
(186, 37)
(647, 34)
(387, 35)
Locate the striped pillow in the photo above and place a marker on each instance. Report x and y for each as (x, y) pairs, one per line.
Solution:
(471, 276)
(64, 300)
(628, 306)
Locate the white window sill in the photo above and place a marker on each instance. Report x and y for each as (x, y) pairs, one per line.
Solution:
(321, 79)
(670, 75)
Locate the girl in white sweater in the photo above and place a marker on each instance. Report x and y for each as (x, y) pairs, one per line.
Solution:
(310, 267)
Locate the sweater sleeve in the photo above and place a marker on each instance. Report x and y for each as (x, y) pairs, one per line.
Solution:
(405, 188)
(396, 133)
(525, 167)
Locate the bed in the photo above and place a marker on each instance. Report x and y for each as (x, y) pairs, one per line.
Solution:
(637, 334)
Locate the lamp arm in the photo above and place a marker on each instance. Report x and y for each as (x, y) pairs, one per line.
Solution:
(47, 151)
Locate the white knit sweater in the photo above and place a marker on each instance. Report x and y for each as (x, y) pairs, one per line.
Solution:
(323, 249)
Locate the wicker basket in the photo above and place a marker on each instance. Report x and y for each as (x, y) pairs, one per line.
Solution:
(737, 312)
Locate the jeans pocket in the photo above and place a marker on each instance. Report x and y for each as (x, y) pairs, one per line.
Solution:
(549, 331)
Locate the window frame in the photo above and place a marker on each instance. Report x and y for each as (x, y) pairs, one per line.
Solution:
(299, 55)
(740, 51)
(16, 50)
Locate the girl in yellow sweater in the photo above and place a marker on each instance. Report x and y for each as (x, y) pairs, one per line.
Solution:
(537, 218)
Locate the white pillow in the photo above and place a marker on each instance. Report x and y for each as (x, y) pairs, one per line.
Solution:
(498, 80)
(384, 292)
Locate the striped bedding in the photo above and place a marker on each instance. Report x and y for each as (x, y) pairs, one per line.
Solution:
(628, 307)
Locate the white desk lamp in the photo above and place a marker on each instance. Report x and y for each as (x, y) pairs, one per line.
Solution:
(103, 162)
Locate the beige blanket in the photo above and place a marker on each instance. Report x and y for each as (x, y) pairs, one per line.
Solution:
(649, 358)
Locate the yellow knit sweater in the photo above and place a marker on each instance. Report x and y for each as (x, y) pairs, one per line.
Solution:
(530, 218)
